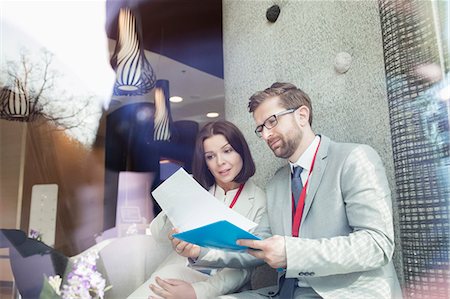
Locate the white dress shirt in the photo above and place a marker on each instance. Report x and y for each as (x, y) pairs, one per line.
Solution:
(305, 159)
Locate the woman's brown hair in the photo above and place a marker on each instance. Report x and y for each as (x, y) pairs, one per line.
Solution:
(235, 138)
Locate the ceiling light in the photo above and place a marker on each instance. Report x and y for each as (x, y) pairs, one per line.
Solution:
(176, 99)
(212, 114)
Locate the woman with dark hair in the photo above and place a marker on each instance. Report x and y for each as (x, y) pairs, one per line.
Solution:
(227, 134)
(223, 165)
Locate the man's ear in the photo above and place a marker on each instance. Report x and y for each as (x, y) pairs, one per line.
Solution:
(303, 112)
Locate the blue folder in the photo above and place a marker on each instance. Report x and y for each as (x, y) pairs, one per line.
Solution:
(220, 235)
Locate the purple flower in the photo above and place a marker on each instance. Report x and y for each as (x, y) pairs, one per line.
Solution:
(84, 282)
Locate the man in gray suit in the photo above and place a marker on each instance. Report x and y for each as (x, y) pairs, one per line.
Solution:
(343, 245)
(331, 225)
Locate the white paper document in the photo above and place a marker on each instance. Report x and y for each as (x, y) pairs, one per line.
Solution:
(188, 205)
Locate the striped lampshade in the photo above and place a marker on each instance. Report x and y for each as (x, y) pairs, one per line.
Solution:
(16, 104)
(134, 74)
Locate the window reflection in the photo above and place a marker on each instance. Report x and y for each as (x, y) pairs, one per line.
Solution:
(102, 160)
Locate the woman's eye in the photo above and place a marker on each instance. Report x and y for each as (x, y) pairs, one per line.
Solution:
(228, 150)
(209, 157)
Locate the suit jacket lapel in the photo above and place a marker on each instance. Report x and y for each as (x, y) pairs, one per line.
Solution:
(286, 204)
(244, 203)
(316, 176)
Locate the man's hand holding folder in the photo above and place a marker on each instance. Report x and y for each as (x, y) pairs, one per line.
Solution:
(272, 250)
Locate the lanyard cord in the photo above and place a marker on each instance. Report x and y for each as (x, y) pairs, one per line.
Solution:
(236, 196)
(233, 202)
(298, 212)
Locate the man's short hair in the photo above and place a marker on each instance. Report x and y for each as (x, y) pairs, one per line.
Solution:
(290, 97)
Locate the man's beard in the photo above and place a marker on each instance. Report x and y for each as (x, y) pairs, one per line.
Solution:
(289, 145)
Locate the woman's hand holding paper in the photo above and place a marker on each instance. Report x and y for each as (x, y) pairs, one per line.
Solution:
(183, 248)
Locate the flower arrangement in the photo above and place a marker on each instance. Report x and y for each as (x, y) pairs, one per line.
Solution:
(82, 282)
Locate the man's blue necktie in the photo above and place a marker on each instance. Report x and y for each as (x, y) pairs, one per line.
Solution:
(296, 183)
(287, 285)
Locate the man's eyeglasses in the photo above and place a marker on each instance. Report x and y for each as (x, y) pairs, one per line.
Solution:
(272, 121)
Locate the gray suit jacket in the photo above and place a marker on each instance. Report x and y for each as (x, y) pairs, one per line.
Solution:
(346, 238)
